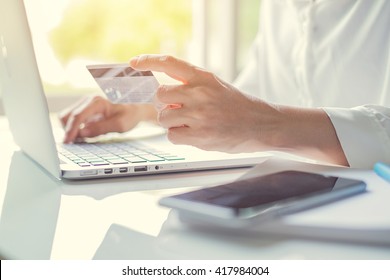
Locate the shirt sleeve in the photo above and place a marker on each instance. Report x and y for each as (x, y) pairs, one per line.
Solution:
(364, 133)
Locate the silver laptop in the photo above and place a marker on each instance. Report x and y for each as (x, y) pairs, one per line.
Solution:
(27, 111)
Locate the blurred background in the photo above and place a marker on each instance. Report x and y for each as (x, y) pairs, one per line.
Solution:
(70, 34)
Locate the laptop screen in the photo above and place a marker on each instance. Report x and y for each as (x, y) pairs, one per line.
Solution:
(24, 100)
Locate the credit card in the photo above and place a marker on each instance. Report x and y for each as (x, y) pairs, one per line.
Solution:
(123, 84)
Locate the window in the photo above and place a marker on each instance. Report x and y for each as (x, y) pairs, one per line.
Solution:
(215, 34)
(77, 33)
(230, 27)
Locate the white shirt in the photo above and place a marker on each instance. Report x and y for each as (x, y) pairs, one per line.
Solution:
(333, 54)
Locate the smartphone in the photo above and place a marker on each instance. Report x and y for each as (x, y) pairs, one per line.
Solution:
(264, 196)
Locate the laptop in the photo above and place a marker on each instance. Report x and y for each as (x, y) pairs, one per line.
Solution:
(28, 115)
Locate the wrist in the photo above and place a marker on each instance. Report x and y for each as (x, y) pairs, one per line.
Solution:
(308, 132)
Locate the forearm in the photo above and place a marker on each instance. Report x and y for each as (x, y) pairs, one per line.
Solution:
(309, 133)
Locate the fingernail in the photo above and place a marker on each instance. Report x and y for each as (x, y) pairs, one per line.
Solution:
(174, 106)
(134, 60)
(66, 140)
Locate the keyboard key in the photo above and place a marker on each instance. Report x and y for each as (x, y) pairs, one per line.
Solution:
(118, 161)
(135, 159)
(151, 158)
(173, 158)
(99, 163)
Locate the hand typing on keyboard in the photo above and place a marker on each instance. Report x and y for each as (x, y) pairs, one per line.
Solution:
(95, 116)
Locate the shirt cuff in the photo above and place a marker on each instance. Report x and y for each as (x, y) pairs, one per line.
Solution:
(364, 134)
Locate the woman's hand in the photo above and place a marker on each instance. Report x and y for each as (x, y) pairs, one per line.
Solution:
(94, 116)
(208, 113)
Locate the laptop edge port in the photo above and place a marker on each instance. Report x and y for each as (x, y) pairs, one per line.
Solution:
(140, 168)
(123, 170)
(108, 171)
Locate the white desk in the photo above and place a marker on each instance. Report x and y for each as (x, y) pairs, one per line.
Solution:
(42, 218)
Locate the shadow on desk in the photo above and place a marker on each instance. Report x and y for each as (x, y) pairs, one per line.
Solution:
(30, 211)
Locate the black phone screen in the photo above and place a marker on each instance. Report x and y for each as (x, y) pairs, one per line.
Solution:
(263, 190)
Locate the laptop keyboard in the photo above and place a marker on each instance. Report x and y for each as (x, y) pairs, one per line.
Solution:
(101, 154)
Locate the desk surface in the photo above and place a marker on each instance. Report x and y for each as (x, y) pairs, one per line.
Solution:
(43, 218)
